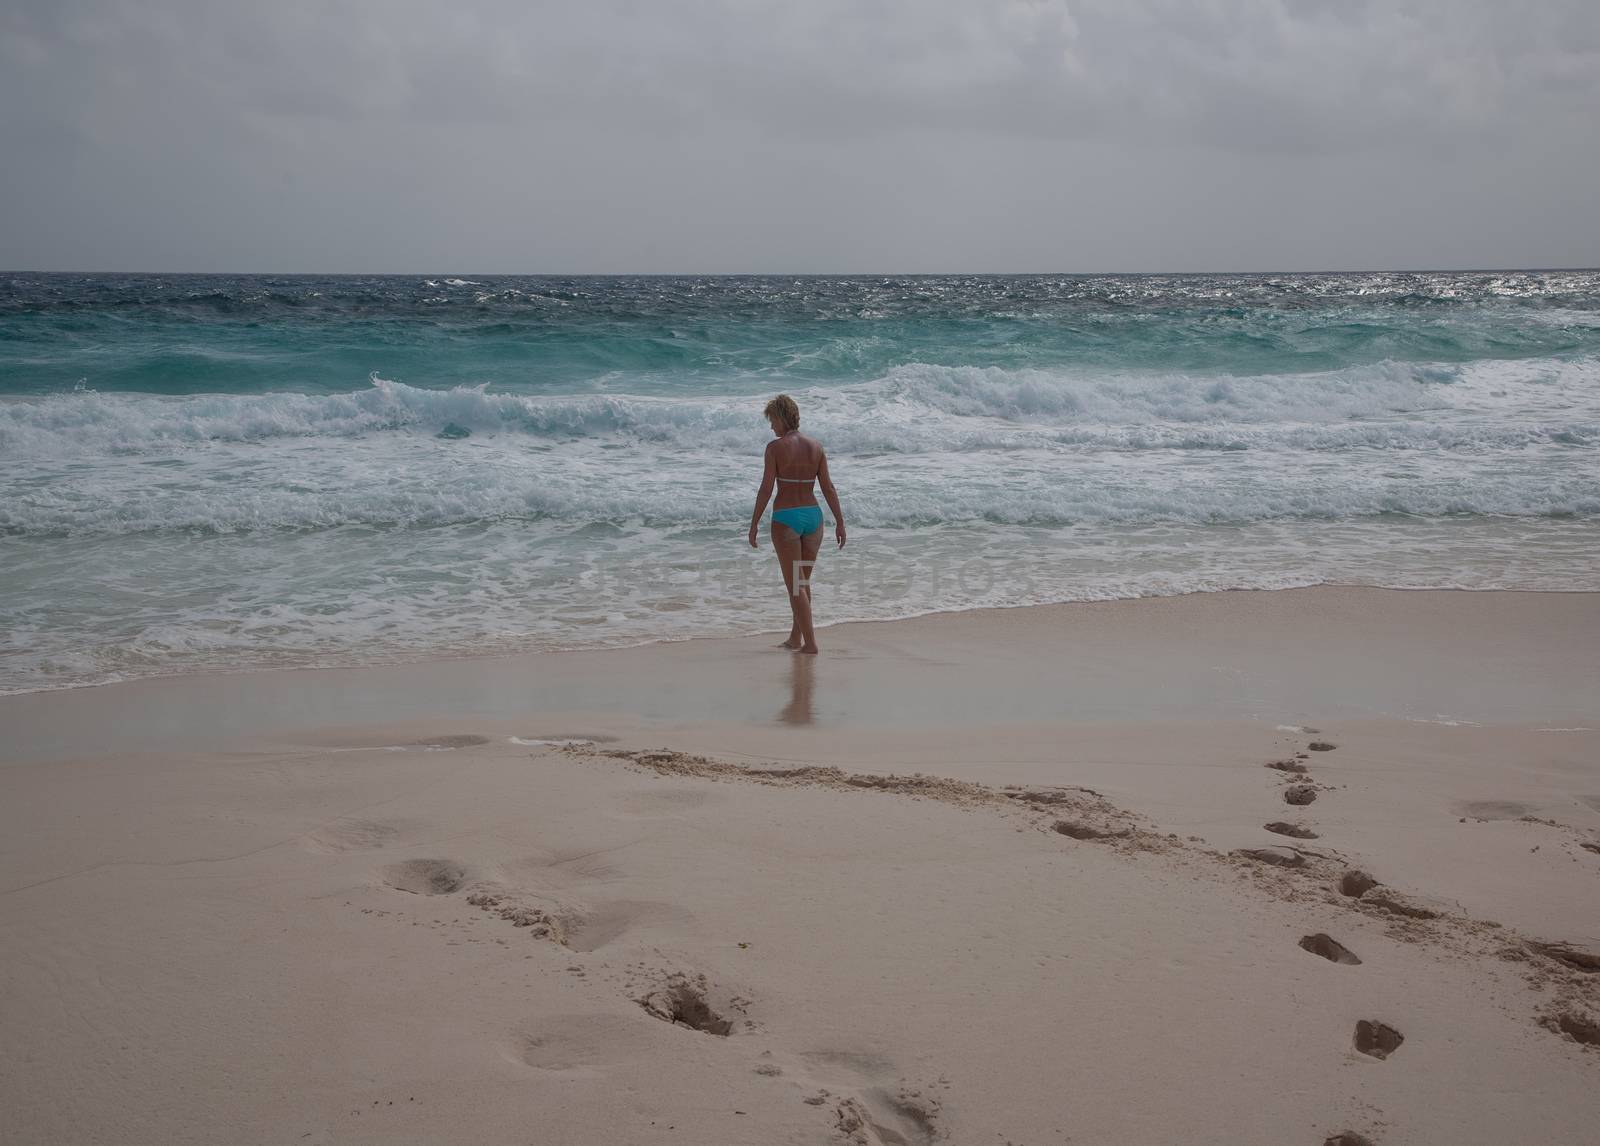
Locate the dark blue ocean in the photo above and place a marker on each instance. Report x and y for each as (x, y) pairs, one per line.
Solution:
(207, 472)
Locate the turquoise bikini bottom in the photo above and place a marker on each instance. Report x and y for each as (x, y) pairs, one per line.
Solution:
(803, 519)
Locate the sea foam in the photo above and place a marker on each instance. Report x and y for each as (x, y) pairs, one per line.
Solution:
(912, 408)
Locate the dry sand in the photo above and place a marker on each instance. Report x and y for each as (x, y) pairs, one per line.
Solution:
(981, 878)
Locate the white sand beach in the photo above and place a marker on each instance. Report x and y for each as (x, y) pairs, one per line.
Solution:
(417, 422)
(990, 877)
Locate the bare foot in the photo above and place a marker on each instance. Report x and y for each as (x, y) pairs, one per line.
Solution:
(791, 643)
(808, 649)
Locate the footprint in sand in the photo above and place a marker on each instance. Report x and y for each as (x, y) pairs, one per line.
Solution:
(1377, 1040)
(1355, 884)
(685, 1001)
(1348, 1138)
(1299, 794)
(1330, 949)
(869, 1109)
(538, 891)
(425, 876)
(880, 1117)
(1294, 831)
(577, 1044)
(1278, 857)
(1579, 1028)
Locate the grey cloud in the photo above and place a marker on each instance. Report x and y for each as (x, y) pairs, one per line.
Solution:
(824, 135)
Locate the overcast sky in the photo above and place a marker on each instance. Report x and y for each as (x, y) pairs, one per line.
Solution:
(798, 136)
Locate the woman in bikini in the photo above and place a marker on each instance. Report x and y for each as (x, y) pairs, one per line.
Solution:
(794, 461)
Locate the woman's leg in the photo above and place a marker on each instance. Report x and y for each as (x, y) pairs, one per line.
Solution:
(810, 546)
(786, 545)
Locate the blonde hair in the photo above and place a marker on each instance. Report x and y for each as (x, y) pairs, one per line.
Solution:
(784, 409)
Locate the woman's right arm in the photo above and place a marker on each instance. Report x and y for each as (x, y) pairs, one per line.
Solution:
(831, 495)
(769, 478)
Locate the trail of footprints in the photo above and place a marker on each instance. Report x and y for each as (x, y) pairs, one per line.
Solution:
(867, 1110)
(869, 1107)
(1373, 1038)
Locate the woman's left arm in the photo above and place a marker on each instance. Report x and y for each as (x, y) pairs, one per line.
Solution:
(769, 478)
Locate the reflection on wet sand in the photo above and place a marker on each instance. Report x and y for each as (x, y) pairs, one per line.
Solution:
(801, 675)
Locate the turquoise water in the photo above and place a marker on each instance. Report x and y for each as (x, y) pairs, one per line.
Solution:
(249, 471)
(204, 334)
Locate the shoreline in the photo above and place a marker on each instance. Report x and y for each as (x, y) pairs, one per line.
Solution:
(449, 657)
(1116, 660)
(445, 657)
(1110, 654)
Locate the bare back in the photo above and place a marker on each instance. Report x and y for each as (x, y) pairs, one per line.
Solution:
(797, 459)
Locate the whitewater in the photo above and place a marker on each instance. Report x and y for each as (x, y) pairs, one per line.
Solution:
(219, 473)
